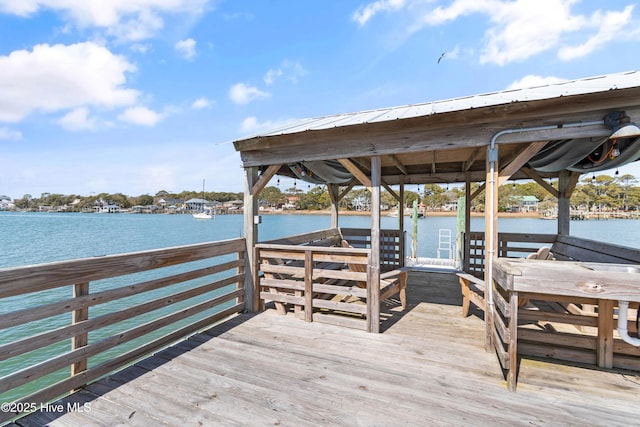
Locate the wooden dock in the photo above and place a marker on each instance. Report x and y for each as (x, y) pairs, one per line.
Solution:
(428, 367)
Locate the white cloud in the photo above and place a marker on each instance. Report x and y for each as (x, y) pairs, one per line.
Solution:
(186, 48)
(243, 94)
(291, 70)
(252, 125)
(272, 75)
(365, 13)
(609, 25)
(519, 29)
(141, 116)
(124, 19)
(201, 103)
(140, 47)
(6, 133)
(53, 78)
(78, 120)
(534, 81)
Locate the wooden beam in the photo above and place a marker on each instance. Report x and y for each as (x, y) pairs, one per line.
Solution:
(356, 172)
(264, 179)
(373, 276)
(390, 190)
(252, 290)
(401, 222)
(567, 182)
(478, 191)
(333, 190)
(520, 160)
(401, 167)
(466, 253)
(471, 160)
(491, 239)
(346, 190)
(433, 162)
(544, 184)
(424, 134)
(78, 316)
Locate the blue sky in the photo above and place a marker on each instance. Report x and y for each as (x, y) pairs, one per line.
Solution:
(137, 96)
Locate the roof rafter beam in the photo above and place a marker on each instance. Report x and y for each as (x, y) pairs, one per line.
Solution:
(264, 179)
(356, 172)
(478, 191)
(471, 160)
(520, 160)
(401, 167)
(346, 190)
(390, 190)
(544, 184)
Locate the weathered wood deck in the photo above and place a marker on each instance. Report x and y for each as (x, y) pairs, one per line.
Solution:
(428, 367)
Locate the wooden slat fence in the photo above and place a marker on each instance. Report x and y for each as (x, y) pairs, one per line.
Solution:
(512, 245)
(391, 250)
(315, 281)
(118, 311)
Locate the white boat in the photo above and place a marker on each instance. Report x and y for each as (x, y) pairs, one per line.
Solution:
(202, 215)
(205, 214)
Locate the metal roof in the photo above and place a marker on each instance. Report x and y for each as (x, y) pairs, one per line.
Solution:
(573, 87)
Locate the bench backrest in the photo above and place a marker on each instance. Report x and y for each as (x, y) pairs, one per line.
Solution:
(571, 248)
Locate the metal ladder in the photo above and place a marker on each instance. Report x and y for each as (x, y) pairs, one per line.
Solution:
(444, 242)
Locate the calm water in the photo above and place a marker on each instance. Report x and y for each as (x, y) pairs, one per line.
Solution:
(32, 238)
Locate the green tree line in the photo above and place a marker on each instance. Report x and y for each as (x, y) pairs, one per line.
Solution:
(603, 192)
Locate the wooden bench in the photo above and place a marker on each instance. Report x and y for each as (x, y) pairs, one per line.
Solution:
(320, 274)
(472, 289)
(570, 248)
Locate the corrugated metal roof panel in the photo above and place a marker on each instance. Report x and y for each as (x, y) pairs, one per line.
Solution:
(569, 88)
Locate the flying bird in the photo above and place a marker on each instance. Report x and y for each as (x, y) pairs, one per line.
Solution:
(441, 56)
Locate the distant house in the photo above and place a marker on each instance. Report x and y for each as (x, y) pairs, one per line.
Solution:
(6, 203)
(108, 209)
(526, 204)
(233, 205)
(195, 204)
(291, 202)
(169, 203)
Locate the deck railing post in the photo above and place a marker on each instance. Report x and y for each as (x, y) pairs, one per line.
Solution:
(80, 315)
(308, 286)
(241, 270)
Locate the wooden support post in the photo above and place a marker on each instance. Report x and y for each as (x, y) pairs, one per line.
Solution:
(334, 195)
(605, 334)
(252, 289)
(373, 270)
(491, 240)
(566, 184)
(512, 374)
(466, 253)
(308, 286)
(80, 315)
(401, 222)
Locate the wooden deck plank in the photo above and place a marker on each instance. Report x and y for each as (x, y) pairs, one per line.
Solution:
(428, 367)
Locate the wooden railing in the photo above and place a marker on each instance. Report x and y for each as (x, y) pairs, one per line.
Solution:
(391, 248)
(512, 245)
(150, 299)
(324, 273)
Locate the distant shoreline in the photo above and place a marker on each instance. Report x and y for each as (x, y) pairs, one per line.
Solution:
(391, 213)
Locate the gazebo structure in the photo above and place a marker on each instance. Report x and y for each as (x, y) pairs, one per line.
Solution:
(557, 131)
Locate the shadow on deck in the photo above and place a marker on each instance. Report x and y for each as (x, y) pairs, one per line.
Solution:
(428, 367)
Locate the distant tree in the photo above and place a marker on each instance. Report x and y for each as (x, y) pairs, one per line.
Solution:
(313, 199)
(144, 200)
(387, 199)
(434, 196)
(272, 195)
